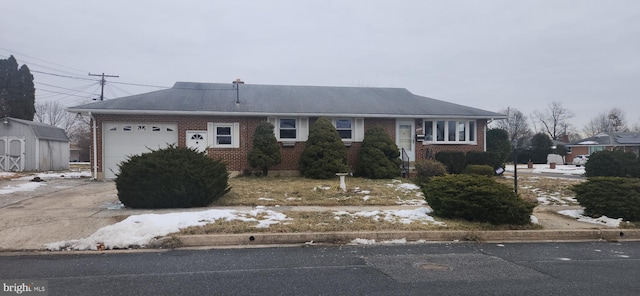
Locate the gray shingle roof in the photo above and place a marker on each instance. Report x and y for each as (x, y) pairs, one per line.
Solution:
(44, 131)
(606, 139)
(263, 100)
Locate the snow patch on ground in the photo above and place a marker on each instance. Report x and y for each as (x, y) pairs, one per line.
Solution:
(420, 215)
(31, 186)
(604, 220)
(139, 230)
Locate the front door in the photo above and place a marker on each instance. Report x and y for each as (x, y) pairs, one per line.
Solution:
(197, 140)
(404, 138)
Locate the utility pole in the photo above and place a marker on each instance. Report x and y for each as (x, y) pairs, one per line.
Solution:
(102, 83)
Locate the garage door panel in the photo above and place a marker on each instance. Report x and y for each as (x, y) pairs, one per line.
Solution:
(122, 140)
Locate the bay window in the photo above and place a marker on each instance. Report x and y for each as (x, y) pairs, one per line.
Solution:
(450, 131)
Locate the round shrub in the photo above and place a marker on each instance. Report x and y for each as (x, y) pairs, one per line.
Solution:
(476, 198)
(483, 170)
(379, 157)
(427, 168)
(613, 197)
(324, 153)
(173, 177)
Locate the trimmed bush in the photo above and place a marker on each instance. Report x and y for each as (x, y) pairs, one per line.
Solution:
(266, 151)
(482, 170)
(426, 169)
(484, 158)
(454, 161)
(379, 157)
(613, 197)
(476, 198)
(612, 164)
(324, 154)
(173, 177)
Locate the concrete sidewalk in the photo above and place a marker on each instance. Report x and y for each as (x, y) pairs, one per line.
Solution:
(66, 209)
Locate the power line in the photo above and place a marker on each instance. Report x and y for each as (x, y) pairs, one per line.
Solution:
(22, 54)
(65, 76)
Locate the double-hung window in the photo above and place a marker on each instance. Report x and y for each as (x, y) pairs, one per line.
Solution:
(450, 131)
(287, 128)
(344, 126)
(224, 135)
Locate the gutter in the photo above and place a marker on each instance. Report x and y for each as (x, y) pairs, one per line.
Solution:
(226, 113)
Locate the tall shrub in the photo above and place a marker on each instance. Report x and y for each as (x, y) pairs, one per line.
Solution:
(173, 177)
(379, 157)
(324, 154)
(483, 158)
(455, 161)
(266, 151)
(498, 143)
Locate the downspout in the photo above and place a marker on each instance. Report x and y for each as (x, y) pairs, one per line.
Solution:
(95, 148)
(484, 130)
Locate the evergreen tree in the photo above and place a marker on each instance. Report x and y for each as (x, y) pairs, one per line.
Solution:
(379, 156)
(541, 147)
(498, 143)
(17, 92)
(266, 151)
(324, 154)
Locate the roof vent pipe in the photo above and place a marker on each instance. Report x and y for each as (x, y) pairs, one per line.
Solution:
(236, 86)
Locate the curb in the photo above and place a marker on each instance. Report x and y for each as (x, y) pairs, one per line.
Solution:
(213, 240)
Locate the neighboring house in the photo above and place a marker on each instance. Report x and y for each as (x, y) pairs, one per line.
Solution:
(32, 146)
(221, 119)
(78, 154)
(628, 142)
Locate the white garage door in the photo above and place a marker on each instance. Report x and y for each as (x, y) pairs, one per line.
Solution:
(121, 140)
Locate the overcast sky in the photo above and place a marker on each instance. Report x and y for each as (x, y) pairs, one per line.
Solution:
(485, 54)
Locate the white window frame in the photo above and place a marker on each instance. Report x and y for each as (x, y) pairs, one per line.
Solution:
(212, 131)
(302, 128)
(352, 129)
(456, 124)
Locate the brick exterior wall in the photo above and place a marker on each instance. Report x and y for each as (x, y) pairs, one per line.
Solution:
(236, 158)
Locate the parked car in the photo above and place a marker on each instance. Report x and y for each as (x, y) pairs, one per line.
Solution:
(580, 160)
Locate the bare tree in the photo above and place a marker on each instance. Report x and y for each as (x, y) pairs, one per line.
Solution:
(516, 124)
(613, 121)
(53, 113)
(554, 120)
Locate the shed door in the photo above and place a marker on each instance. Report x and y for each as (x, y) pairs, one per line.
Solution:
(121, 140)
(11, 154)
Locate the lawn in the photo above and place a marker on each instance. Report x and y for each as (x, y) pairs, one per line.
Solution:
(301, 200)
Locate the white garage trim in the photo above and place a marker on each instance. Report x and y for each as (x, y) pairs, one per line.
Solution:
(123, 139)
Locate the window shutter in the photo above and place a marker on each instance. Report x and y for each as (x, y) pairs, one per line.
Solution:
(303, 130)
(235, 139)
(210, 134)
(358, 130)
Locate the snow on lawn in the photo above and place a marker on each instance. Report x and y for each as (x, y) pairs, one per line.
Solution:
(140, 230)
(604, 220)
(393, 216)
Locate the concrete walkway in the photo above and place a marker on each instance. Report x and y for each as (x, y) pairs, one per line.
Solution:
(65, 209)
